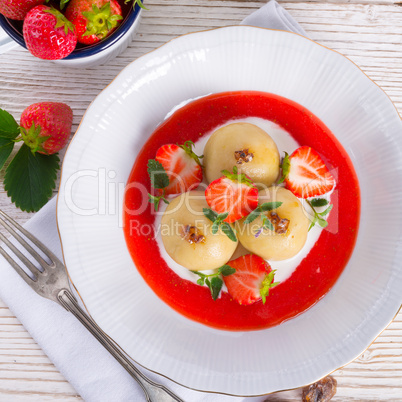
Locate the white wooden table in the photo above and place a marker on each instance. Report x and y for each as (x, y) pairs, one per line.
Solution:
(369, 32)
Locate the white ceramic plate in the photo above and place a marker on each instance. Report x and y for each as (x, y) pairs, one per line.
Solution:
(96, 167)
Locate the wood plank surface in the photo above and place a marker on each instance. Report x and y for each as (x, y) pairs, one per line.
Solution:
(369, 32)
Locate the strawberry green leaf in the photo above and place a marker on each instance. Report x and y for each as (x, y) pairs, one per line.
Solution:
(135, 2)
(319, 202)
(239, 177)
(61, 20)
(63, 3)
(30, 179)
(226, 270)
(33, 139)
(285, 165)
(6, 146)
(215, 286)
(188, 148)
(157, 174)
(8, 126)
(267, 284)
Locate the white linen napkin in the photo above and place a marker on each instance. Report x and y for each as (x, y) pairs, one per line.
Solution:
(90, 369)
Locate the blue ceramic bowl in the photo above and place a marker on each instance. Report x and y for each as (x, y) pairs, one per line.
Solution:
(87, 56)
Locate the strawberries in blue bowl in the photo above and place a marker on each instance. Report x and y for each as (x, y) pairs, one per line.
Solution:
(89, 32)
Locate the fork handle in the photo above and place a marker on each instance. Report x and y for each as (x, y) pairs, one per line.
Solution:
(153, 391)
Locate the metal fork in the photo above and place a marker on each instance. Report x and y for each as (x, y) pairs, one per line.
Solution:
(52, 283)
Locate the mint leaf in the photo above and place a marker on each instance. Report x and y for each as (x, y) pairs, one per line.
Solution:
(30, 179)
(215, 286)
(210, 214)
(322, 222)
(226, 270)
(319, 202)
(215, 227)
(318, 216)
(218, 221)
(6, 146)
(216, 283)
(267, 224)
(8, 126)
(327, 211)
(153, 199)
(313, 222)
(229, 232)
(221, 217)
(269, 206)
(259, 212)
(157, 174)
(253, 215)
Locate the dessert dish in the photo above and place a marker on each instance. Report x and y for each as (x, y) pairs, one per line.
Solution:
(246, 194)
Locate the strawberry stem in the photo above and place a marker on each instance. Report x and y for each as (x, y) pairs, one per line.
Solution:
(100, 21)
(33, 139)
(285, 166)
(61, 20)
(239, 177)
(267, 284)
(188, 148)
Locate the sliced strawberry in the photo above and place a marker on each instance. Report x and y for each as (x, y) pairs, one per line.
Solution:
(251, 281)
(182, 166)
(305, 173)
(232, 193)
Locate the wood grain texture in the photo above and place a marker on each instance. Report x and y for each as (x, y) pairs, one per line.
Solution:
(369, 32)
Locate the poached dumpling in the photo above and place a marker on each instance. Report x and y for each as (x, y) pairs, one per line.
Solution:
(187, 236)
(291, 222)
(246, 146)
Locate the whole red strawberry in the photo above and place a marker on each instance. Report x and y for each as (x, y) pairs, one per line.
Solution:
(94, 19)
(46, 126)
(17, 9)
(48, 34)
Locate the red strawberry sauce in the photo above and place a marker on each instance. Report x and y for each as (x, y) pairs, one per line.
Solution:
(315, 275)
